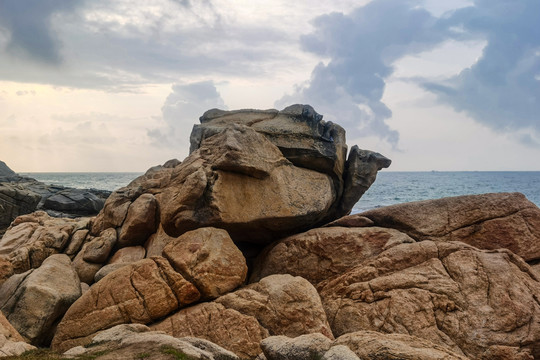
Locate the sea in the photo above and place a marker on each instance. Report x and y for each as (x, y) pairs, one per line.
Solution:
(391, 187)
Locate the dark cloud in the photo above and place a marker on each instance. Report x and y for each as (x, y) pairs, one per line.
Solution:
(502, 89)
(29, 24)
(361, 47)
(181, 110)
(122, 44)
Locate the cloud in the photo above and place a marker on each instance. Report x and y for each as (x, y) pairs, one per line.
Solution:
(29, 24)
(361, 47)
(501, 90)
(182, 108)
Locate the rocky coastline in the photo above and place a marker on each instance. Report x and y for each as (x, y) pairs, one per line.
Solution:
(246, 250)
(20, 195)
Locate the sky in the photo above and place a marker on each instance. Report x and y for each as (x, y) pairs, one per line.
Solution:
(100, 85)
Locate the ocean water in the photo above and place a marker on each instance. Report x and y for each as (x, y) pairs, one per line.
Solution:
(399, 187)
(80, 180)
(389, 188)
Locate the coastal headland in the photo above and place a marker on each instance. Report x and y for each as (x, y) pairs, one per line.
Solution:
(246, 249)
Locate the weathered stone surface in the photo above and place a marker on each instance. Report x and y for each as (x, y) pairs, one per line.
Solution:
(224, 185)
(138, 293)
(76, 242)
(34, 237)
(156, 242)
(75, 201)
(11, 342)
(5, 170)
(468, 300)
(135, 341)
(487, 221)
(360, 172)
(312, 346)
(128, 255)
(15, 200)
(208, 258)
(98, 249)
(36, 300)
(6, 270)
(85, 270)
(283, 304)
(115, 209)
(298, 131)
(321, 253)
(140, 221)
(107, 269)
(376, 345)
(340, 352)
(228, 328)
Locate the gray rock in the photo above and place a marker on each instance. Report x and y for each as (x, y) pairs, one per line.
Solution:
(35, 300)
(311, 346)
(107, 269)
(15, 200)
(340, 352)
(5, 170)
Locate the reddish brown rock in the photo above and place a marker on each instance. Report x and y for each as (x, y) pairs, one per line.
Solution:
(208, 258)
(487, 221)
(376, 345)
(321, 253)
(140, 221)
(468, 300)
(283, 304)
(228, 328)
(138, 293)
(6, 270)
(156, 242)
(128, 255)
(34, 237)
(98, 249)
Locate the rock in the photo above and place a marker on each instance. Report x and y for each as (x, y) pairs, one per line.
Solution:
(5, 170)
(340, 352)
(75, 201)
(376, 345)
(140, 221)
(360, 172)
(275, 195)
(76, 242)
(157, 242)
(298, 131)
(115, 209)
(11, 342)
(312, 346)
(449, 293)
(128, 255)
(283, 304)
(98, 249)
(6, 270)
(227, 328)
(208, 258)
(34, 237)
(34, 302)
(355, 220)
(85, 270)
(15, 200)
(487, 221)
(321, 253)
(107, 269)
(138, 342)
(138, 293)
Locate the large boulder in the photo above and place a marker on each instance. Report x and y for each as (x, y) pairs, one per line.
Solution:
(32, 238)
(259, 175)
(34, 301)
(238, 321)
(487, 221)
(138, 293)
(474, 302)
(79, 202)
(136, 341)
(5, 170)
(321, 253)
(209, 259)
(228, 328)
